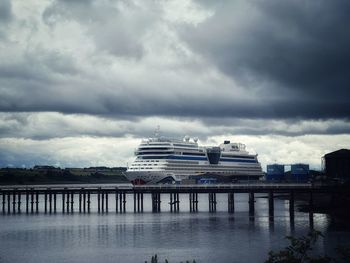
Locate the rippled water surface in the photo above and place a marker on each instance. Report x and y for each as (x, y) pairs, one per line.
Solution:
(129, 237)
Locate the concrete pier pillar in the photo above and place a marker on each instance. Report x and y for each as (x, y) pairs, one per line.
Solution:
(156, 202)
(141, 202)
(121, 202)
(159, 202)
(72, 201)
(84, 200)
(32, 200)
(37, 202)
(98, 201)
(8, 202)
(116, 200)
(171, 202)
(190, 195)
(251, 204)
(50, 201)
(19, 202)
(138, 202)
(291, 207)
(14, 201)
(88, 201)
(3, 201)
(210, 197)
(271, 206)
(27, 201)
(231, 202)
(106, 195)
(80, 200)
(103, 201)
(212, 202)
(124, 202)
(311, 210)
(67, 202)
(54, 202)
(135, 202)
(177, 202)
(63, 201)
(45, 201)
(193, 198)
(154, 205)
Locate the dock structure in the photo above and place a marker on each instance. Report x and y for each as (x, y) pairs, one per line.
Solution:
(16, 199)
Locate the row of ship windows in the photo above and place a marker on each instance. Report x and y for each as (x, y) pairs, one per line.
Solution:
(155, 144)
(155, 148)
(142, 156)
(147, 161)
(237, 156)
(172, 152)
(142, 164)
(167, 144)
(205, 169)
(197, 154)
(138, 168)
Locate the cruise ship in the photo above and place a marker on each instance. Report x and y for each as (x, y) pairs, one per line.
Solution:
(165, 160)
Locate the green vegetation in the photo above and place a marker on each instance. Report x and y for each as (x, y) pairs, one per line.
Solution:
(300, 251)
(155, 260)
(49, 174)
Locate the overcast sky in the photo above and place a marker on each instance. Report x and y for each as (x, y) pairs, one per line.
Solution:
(82, 81)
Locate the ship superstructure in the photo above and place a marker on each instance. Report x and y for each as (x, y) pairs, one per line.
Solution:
(161, 159)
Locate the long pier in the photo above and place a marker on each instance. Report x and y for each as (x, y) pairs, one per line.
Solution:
(25, 199)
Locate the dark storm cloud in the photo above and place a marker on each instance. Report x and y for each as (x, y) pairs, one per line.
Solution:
(5, 11)
(285, 60)
(298, 47)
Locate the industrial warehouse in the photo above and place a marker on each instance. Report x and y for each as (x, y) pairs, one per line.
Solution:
(335, 167)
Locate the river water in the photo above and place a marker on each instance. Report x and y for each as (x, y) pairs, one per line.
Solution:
(203, 236)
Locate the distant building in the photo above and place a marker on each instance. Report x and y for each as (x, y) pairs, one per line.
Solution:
(275, 172)
(337, 164)
(44, 167)
(300, 172)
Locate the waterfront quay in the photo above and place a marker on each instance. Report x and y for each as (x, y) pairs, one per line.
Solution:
(25, 199)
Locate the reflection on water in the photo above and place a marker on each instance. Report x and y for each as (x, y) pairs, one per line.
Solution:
(129, 237)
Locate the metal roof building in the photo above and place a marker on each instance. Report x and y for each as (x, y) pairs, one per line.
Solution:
(337, 164)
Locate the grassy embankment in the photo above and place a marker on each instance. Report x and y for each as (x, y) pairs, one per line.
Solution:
(61, 176)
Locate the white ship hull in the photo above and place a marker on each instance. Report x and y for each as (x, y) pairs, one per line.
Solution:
(148, 177)
(163, 160)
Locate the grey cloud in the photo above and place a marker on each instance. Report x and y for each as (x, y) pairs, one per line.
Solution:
(298, 47)
(37, 65)
(273, 52)
(44, 126)
(5, 11)
(90, 151)
(112, 30)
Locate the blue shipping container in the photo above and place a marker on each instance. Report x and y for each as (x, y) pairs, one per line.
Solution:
(300, 172)
(275, 172)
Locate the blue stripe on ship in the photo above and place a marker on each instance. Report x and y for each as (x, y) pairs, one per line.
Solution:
(175, 157)
(237, 161)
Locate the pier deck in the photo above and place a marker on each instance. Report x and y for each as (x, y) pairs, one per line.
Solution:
(15, 198)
